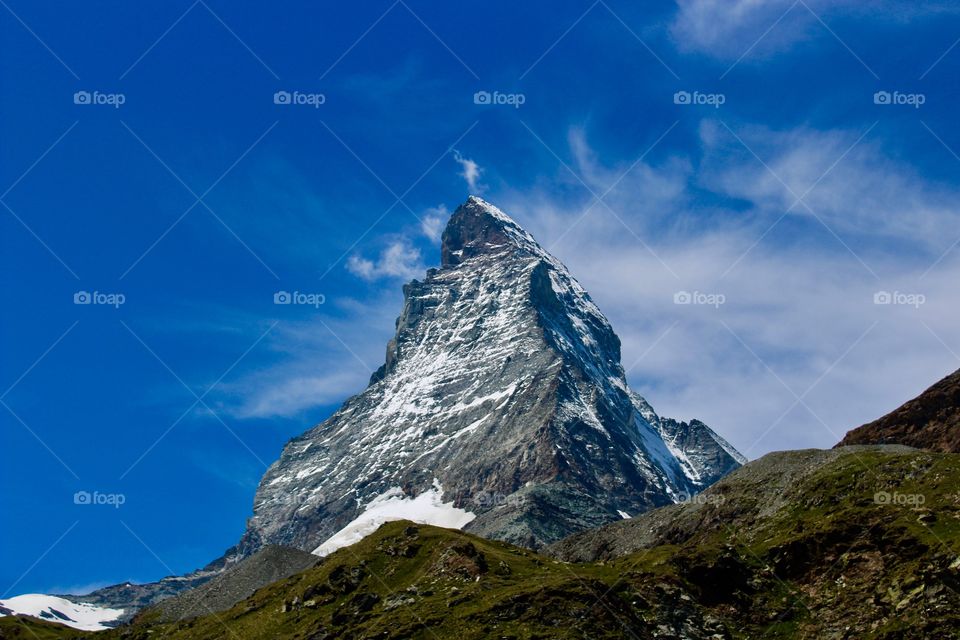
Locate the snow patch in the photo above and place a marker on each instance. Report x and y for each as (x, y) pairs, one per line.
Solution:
(78, 615)
(426, 508)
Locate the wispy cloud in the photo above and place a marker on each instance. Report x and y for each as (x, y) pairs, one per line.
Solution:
(432, 222)
(399, 259)
(846, 178)
(729, 29)
(314, 362)
(291, 394)
(470, 171)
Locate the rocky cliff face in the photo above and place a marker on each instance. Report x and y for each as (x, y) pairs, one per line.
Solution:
(503, 394)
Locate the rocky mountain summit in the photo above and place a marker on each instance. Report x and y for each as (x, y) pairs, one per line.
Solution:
(502, 407)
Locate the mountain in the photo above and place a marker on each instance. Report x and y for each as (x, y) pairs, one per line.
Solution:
(502, 408)
(929, 421)
(857, 542)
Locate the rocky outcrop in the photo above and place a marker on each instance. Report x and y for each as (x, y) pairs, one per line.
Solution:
(929, 421)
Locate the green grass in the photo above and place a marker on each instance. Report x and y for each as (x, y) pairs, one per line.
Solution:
(830, 559)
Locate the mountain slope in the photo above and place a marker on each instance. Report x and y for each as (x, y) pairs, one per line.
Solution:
(240, 581)
(856, 542)
(804, 545)
(929, 421)
(502, 393)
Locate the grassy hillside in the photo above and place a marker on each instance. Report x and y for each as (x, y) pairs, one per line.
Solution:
(24, 628)
(841, 548)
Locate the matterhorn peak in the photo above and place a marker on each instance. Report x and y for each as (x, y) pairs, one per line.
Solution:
(478, 227)
(502, 408)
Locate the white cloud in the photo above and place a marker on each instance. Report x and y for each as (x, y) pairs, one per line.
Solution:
(432, 222)
(853, 186)
(311, 364)
(290, 395)
(730, 28)
(398, 260)
(470, 172)
(727, 28)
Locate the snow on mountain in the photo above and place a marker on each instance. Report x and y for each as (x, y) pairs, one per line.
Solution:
(503, 383)
(83, 616)
(426, 508)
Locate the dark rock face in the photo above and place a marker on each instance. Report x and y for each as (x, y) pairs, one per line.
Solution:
(929, 421)
(503, 392)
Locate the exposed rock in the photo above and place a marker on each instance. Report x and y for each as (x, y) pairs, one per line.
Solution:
(268, 565)
(929, 421)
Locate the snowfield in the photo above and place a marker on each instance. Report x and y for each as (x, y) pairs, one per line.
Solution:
(78, 615)
(426, 508)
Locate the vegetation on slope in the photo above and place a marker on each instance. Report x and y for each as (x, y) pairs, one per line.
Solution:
(862, 545)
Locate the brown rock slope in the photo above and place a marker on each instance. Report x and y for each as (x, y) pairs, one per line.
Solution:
(930, 421)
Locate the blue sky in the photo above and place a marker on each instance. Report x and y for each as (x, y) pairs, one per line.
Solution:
(787, 191)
